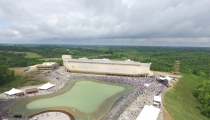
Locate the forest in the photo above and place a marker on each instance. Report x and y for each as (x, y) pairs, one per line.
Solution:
(202, 94)
(194, 60)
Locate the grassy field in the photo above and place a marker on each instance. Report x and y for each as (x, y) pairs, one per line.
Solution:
(179, 101)
(29, 54)
(23, 79)
(32, 55)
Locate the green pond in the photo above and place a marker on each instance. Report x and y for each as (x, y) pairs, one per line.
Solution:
(91, 99)
(85, 96)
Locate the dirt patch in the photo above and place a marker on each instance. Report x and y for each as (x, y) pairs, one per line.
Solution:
(20, 71)
(32, 75)
(166, 115)
(39, 76)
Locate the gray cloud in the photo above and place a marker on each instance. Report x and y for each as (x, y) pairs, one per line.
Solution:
(124, 22)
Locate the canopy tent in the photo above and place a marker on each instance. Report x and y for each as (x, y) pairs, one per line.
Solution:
(154, 103)
(157, 98)
(147, 85)
(168, 78)
(46, 86)
(165, 78)
(148, 113)
(13, 91)
(162, 78)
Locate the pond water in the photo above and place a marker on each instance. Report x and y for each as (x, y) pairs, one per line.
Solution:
(85, 96)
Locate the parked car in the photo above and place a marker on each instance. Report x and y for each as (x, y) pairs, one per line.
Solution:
(17, 116)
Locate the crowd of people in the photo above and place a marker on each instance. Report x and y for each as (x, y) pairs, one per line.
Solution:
(130, 105)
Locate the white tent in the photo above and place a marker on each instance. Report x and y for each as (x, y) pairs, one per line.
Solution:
(154, 103)
(46, 86)
(162, 78)
(13, 91)
(157, 98)
(165, 78)
(168, 78)
(148, 113)
(147, 85)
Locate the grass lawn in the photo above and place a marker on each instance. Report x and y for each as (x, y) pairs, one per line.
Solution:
(180, 102)
(32, 55)
(29, 54)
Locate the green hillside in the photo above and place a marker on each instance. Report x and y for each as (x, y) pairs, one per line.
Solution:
(180, 102)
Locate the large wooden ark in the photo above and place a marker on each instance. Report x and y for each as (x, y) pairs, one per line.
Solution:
(106, 66)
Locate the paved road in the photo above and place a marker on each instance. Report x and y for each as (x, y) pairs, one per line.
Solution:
(4, 108)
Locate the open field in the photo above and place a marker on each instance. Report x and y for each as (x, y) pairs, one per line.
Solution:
(48, 59)
(28, 54)
(32, 55)
(24, 79)
(33, 75)
(179, 100)
(20, 71)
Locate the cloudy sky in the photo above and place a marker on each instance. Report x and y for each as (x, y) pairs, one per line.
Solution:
(106, 22)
